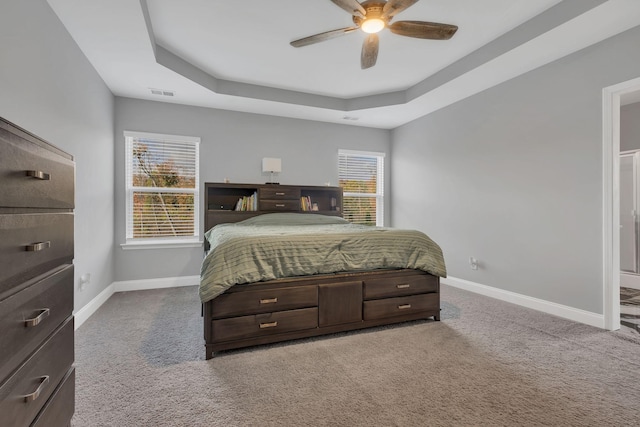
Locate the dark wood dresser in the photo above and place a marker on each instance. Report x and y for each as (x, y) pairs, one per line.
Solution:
(37, 184)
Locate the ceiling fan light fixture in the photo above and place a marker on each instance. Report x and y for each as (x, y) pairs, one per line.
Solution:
(372, 25)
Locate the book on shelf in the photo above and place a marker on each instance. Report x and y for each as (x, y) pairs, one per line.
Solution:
(247, 203)
(305, 203)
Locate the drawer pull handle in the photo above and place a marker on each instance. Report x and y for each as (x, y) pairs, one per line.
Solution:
(403, 286)
(268, 325)
(39, 175)
(279, 194)
(33, 396)
(268, 300)
(404, 306)
(36, 247)
(44, 313)
(279, 205)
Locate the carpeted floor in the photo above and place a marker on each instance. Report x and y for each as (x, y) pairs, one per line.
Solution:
(140, 362)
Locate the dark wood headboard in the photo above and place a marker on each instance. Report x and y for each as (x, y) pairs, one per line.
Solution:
(228, 203)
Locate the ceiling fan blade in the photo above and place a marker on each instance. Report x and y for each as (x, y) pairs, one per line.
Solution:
(423, 30)
(351, 6)
(316, 38)
(369, 54)
(393, 7)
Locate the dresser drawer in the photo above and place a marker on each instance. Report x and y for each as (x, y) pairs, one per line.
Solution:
(60, 407)
(390, 307)
(264, 301)
(280, 205)
(399, 286)
(279, 193)
(33, 176)
(236, 328)
(31, 315)
(33, 244)
(24, 394)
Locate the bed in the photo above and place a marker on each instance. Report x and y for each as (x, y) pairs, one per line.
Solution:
(283, 276)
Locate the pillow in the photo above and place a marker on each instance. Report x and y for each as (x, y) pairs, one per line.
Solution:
(290, 218)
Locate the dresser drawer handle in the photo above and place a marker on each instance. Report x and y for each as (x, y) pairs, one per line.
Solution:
(279, 205)
(39, 175)
(33, 396)
(268, 325)
(36, 247)
(268, 300)
(279, 194)
(403, 286)
(44, 313)
(404, 306)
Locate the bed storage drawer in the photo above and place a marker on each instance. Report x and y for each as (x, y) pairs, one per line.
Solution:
(24, 394)
(390, 307)
(399, 286)
(33, 176)
(31, 315)
(264, 301)
(257, 325)
(33, 244)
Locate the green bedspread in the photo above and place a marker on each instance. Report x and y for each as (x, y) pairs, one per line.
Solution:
(283, 245)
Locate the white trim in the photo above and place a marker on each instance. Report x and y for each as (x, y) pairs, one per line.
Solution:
(611, 102)
(160, 245)
(162, 136)
(361, 153)
(564, 311)
(92, 306)
(160, 283)
(87, 311)
(630, 280)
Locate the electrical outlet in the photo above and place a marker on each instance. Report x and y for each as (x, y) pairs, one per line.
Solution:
(85, 279)
(473, 263)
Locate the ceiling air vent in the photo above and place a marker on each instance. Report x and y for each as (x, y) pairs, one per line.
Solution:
(162, 92)
(352, 118)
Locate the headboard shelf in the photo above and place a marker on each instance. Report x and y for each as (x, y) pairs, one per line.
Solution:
(221, 201)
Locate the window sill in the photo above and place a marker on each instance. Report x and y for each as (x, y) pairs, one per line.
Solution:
(161, 244)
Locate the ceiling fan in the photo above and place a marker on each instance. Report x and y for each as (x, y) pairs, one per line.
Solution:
(372, 16)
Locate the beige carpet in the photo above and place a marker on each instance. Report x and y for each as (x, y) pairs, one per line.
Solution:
(140, 362)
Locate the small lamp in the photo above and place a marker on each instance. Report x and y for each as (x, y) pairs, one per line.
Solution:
(271, 165)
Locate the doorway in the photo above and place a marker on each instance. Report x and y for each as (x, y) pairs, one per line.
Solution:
(630, 219)
(613, 97)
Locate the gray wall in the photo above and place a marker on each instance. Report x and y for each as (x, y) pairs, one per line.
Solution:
(48, 87)
(630, 127)
(513, 177)
(233, 145)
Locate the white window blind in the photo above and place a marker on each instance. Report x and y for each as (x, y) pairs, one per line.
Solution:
(162, 187)
(361, 176)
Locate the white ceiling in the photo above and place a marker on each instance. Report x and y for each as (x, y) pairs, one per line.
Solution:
(236, 55)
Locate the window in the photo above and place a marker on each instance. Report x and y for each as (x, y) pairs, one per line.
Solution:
(361, 176)
(162, 189)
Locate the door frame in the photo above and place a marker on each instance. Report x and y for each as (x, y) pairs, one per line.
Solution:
(611, 103)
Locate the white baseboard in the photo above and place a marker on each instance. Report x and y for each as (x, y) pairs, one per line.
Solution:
(164, 282)
(555, 309)
(575, 314)
(85, 312)
(630, 280)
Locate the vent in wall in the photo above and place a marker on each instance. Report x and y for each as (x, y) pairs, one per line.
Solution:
(162, 92)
